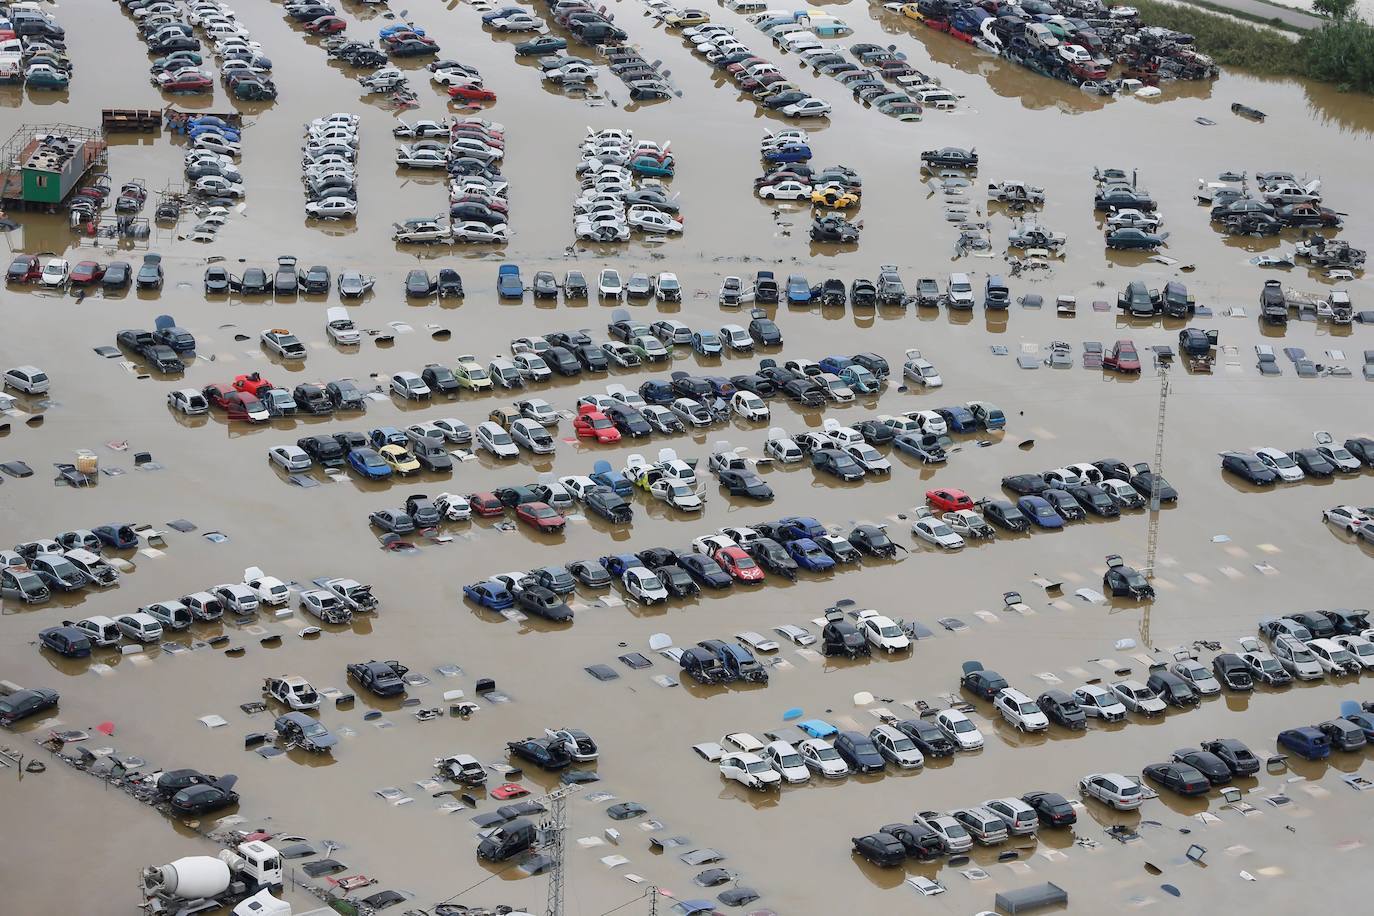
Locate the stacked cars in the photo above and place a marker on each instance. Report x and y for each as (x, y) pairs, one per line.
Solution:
(623, 188)
(329, 167)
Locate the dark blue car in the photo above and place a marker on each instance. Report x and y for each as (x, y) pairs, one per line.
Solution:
(835, 364)
(508, 282)
(120, 537)
(798, 290)
(386, 435)
(489, 594)
(800, 526)
(617, 563)
(1040, 512)
(1307, 742)
(809, 555)
(657, 391)
(606, 476)
(797, 152)
(369, 464)
(958, 419)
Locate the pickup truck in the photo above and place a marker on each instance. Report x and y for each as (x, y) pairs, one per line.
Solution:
(1334, 306)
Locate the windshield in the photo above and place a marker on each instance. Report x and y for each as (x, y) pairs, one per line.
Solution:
(757, 766)
(954, 831)
(650, 582)
(1303, 655)
(964, 726)
(827, 753)
(500, 438)
(314, 730)
(1270, 664)
(1342, 657)
(1281, 461)
(789, 760)
(903, 744)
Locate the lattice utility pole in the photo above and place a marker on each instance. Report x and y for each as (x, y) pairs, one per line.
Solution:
(1152, 539)
(553, 828)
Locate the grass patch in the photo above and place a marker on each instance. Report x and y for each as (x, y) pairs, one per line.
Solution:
(1228, 42)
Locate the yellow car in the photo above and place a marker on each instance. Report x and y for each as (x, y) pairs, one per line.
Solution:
(684, 18)
(910, 11)
(836, 198)
(399, 460)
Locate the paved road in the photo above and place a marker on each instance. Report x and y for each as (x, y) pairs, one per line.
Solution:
(1264, 10)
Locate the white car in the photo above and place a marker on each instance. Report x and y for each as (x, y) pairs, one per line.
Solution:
(786, 190)
(579, 745)
(959, 291)
(340, 327)
(292, 691)
(938, 533)
(1280, 463)
(960, 729)
(492, 438)
(1197, 674)
(786, 762)
(1136, 697)
(236, 597)
(409, 386)
(750, 406)
(922, 372)
(269, 589)
(454, 507)
(1346, 517)
(218, 186)
(1112, 789)
(1100, 703)
(750, 770)
(643, 585)
(532, 367)
(1087, 473)
(55, 273)
(800, 636)
(421, 158)
(283, 343)
(139, 627)
(678, 495)
(648, 219)
(760, 643)
(608, 284)
(897, 748)
(476, 231)
(1362, 649)
(101, 630)
(968, 524)
(28, 379)
(737, 338)
(290, 458)
(1339, 456)
(336, 207)
(930, 422)
(1333, 657)
(782, 447)
(1020, 710)
(824, 759)
(882, 632)
(325, 605)
(188, 401)
(807, 108)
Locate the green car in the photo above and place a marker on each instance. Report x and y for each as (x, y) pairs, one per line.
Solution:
(651, 349)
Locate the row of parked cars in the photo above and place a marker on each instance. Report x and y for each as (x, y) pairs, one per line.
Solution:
(470, 151)
(35, 48)
(329, 160)
(1266, 465)
(71, 562)
(61, 274)
(719, 46)
(881, 79)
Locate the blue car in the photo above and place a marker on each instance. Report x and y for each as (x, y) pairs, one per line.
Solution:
(1040, 512)
(617, 563)
(1306, 742)
(835, 364)
(508, 282)
(800, 526)
(958, 419)
(859, 379)
(1352, 712)
(489, 594)
(798, 290)
(797, 152)
(405, 27)
(606, 476)
(809, 555)
(368, 463)
(657, 391)
(706, 343)
(386, 435)
(721, 386)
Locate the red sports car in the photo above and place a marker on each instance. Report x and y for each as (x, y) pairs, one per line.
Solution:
(253, 384)
(948, 500)
(326, 25)
(738, 564)
(86, 272)
(593, 424)
(470, 93)
(1122, 357)
(486, 505)
(541, 516)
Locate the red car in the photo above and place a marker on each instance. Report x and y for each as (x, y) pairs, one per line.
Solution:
(541, 516)
(1122, 357)
(472, 93)
(86, 272)
(188, 82)
(491, 203)
(239, 405)
(254, 384)
(738, 564)
(326, 25)
(25, 268)
(949, 500)
(218, 395)
(486, 505)
(593, 424)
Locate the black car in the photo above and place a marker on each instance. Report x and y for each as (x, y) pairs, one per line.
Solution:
(547, 753)
(24, 703)
(591, 357)
(876, 432)
(254, 282)
(1313, 462)
(705, 570)
(1232, 672)
(1120, 579)
(219, 281)
(1052, 808)
(981, 682)
(561, 360)
(921, 843)
(676, 581)
(1232, 752)
(608, 504)
(1178, 777)
(538, 600)
(858, 750)
(1347, 622)
(117, 275)
(439, 378)
(1216, 770)
(629, 421)
(1143, 479)
(1173, 689)
(836, 463)
(744, 482)
(882, 849)
(1025, 484)
(1362, 448)
(1063, 502)
(68, 642)
(927, 737)
(324, 449)
(1113, 468)
(345, 395)
(950, 157)
(754, 383)
(1249, 468)
(419, 284)
(449, 284)
(312, 399)
(739, 663)
(773, 558)
(840, 637)
(204, 798)
(1318, 623)
(422, 510)
(1095, 500)
(1004, 514)
(545, 285)
(316, 280)
(149, 272)
(804, 391)
(839, 550)
(763, 329)
(382, 678)
(162, 358)
(1061, 707)
(872, 540)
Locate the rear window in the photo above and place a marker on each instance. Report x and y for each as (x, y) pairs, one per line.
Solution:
(39, 377)
(1130, 790)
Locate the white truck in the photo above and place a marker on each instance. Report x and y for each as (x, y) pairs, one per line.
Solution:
(244, 878)
(1333, 306)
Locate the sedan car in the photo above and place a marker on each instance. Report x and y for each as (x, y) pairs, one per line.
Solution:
(1177, 777)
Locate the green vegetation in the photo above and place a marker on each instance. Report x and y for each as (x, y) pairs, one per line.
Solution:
(1340, 52)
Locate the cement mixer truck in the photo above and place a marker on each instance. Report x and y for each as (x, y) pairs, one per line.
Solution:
(193, 884)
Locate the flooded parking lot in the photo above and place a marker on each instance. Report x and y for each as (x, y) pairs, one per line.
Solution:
(1228, 553)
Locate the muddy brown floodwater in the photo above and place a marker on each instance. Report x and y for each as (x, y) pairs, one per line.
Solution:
(794, 849)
